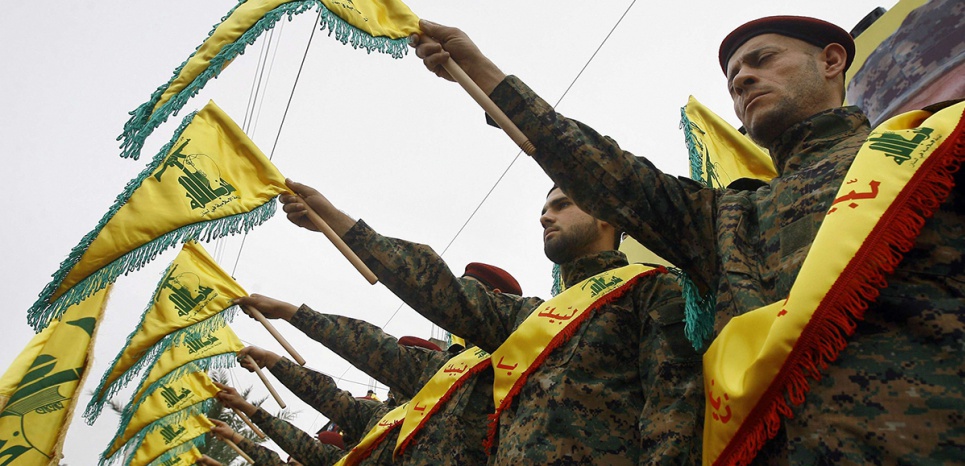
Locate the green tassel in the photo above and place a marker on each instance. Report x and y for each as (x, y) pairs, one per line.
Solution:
(357, 38)
(102, 394)
(557, 281)
(698, 311)
(694, 146)
(145, 120)
(42, 312)
(218, 361)
(132, 444)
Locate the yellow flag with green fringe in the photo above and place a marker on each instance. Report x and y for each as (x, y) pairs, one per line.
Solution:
(192, 393)
(211, 349)
(209, 181)
(38, 392)
(719, 154)
(379, 25)
(181, 455)
(193, 289)
(167, 434)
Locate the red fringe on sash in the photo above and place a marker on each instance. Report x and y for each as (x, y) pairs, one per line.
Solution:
(838, 313)
(352, 460)
(556, 342)
(442, 400)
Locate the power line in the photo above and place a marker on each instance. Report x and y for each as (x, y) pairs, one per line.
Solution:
(511, 163)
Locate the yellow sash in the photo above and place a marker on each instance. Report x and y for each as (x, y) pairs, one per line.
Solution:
(437, 392)
(899, 177)
(550, 326)
(375, 437)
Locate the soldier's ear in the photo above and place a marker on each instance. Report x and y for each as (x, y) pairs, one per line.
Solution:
(835, 58)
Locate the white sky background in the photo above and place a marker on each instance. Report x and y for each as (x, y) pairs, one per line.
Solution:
(384, 139)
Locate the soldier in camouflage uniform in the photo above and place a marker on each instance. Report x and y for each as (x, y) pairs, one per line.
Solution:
(895, 394)
(300, 445)
(625, 389)
(354, 416)
(454, 435)
(262, 455)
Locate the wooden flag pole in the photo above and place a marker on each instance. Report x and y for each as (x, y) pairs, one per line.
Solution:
(489, 106)
(265, 381)
(340, 245)
(251, 425)
(239, 450)
(274, 332)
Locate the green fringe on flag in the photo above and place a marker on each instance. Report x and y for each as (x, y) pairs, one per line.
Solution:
(218, 361)
(198, 441)
(698, 310)
(145, 120)
(134, 442)
(42, 312)
(557, 281)
(357, 38)
(206, 326)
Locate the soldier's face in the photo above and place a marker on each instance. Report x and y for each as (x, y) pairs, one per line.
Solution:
(568, 232)
(774, 83)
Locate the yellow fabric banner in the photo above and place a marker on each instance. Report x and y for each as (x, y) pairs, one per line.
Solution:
(178, 457)
(39, 390)
(719, 154)
(374, 437)
(377, 18)
(208, 182)
(213, 349)
(438, 390)
(186, 394)
(379, 25)
(193, 289)
(900, 175)
(166, 435)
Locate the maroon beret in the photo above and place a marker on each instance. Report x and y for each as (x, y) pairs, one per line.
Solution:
(810, 30)
(493, 277)
(329, 437)
(416, 341)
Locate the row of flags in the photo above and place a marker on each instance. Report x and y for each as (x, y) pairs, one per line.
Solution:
(209, 181)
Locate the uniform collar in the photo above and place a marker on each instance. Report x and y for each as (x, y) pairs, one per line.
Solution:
(808, 140)
(576, 271)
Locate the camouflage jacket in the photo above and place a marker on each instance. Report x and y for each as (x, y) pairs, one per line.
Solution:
(890, 396)
(455, 433)
(262, 455)
(355, 416)
(301, 446)
(586, 403)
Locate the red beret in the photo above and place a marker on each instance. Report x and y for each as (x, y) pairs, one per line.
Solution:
(810, 30)
(416, 341)
(329, 437)
(493, 277)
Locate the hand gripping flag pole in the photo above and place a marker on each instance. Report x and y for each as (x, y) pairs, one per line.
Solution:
(489, 106)
(274, 332)
(339, 244)
(268, 385)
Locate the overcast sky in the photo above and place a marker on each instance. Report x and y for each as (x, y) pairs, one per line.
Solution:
(384, 139)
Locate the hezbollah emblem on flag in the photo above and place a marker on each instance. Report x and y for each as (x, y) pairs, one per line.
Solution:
(208, 182)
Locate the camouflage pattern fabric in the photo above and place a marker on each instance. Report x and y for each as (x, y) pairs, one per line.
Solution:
(895, 394)
(355, 416)
(924, 49)
(587, 403)
(455, 434)
(300, 445)
(262, 455)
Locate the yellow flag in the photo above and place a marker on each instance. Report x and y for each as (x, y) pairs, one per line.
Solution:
(379, 25)
(719, 154)
(193, 289)
(166, 434)
(213, 349)
(37, 393)
(183, 455)
(208, 182)
(192, 393)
